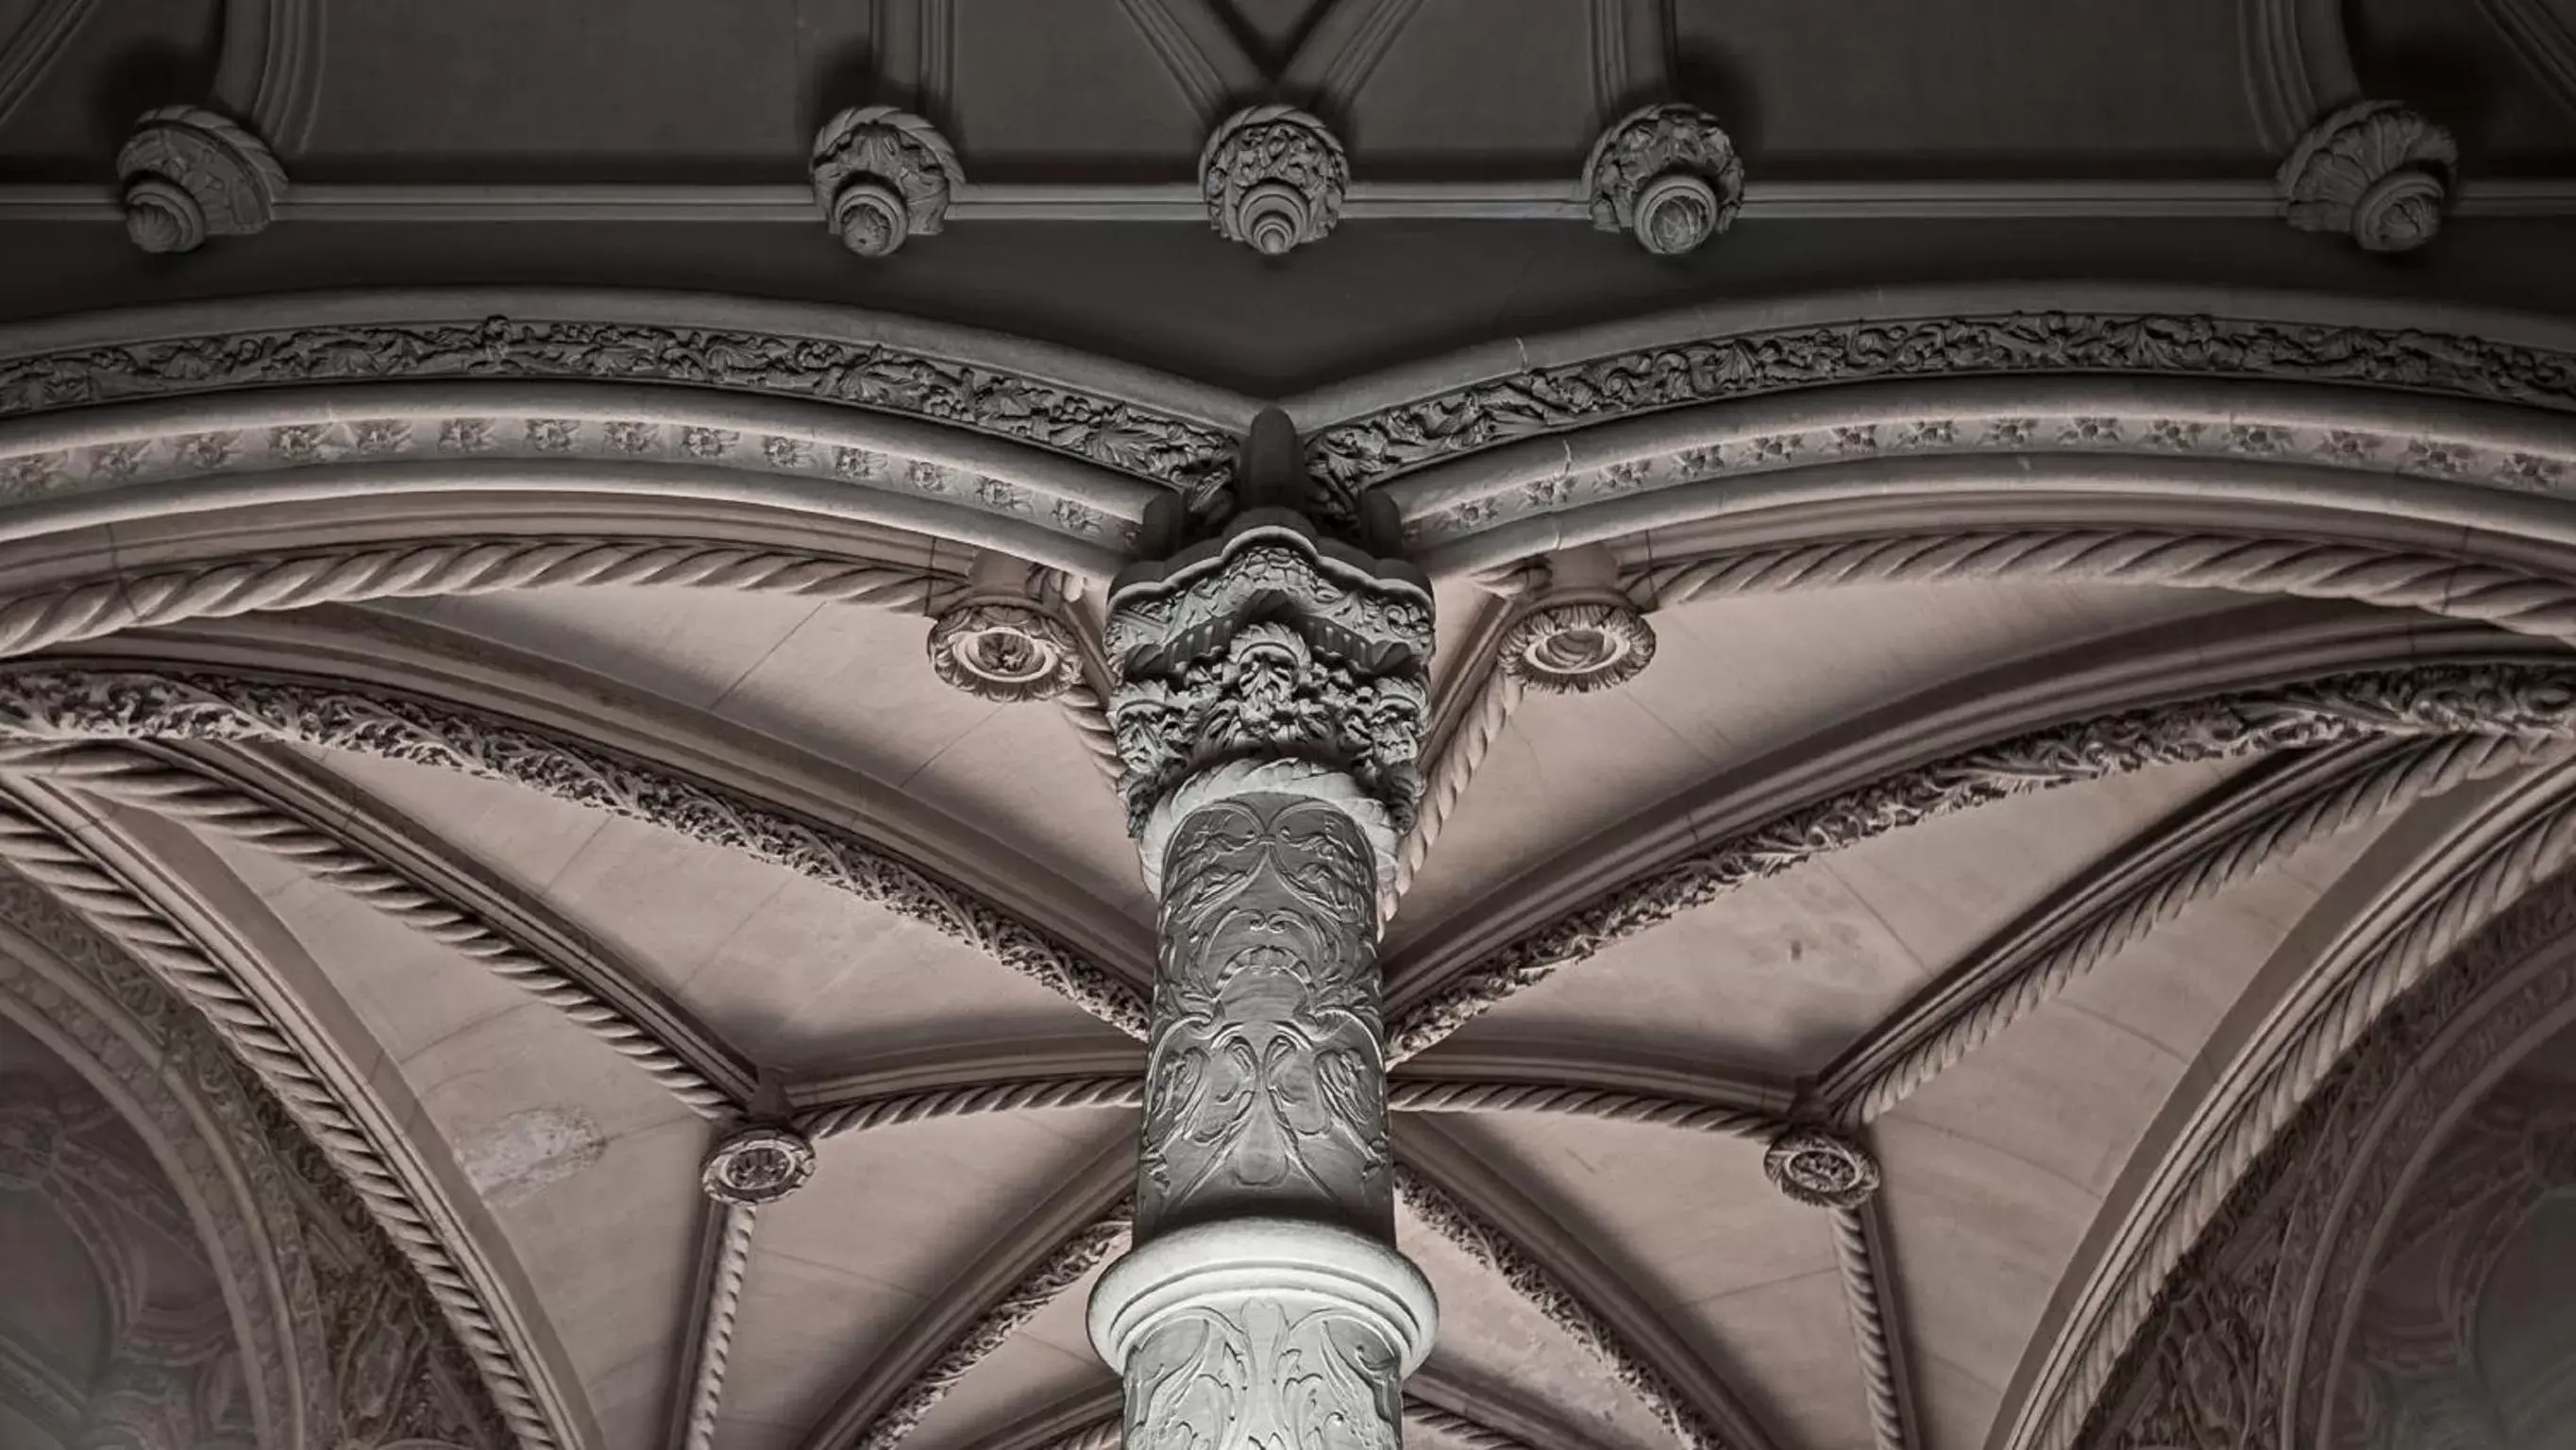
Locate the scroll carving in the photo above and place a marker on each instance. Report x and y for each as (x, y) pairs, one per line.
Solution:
(1267, 1075)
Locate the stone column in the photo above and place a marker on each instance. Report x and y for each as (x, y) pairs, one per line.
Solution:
(1269, 697)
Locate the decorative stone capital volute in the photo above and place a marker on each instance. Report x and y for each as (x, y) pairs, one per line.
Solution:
(756, 1165)
(1270, 643)
(2375, 170)
(189, 174)
(1274, 178)
(1821, 1169)
(881, 175)
(1578, 633)
(1666, 175)
(1000, 643)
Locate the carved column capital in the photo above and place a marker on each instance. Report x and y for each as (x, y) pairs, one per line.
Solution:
(999, 642)
(756, 1165)
(1667, 175)
(189, 174)
(1270, 644)
(881, 175)
(1821, 1169)
(1274, 178)
(2374, 170)
(1580, 632)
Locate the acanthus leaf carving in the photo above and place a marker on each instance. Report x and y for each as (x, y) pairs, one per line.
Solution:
(1270, 647)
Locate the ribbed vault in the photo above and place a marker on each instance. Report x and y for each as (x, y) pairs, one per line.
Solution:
(2066, 737)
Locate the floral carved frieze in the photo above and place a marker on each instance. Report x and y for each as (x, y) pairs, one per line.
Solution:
(1178, 453)
(1357, 454)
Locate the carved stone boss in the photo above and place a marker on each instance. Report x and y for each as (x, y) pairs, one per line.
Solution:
(1268, 699)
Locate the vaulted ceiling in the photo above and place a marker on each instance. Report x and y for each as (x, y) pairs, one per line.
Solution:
(468, 639)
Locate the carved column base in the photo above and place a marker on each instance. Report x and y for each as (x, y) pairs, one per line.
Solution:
(1262, 1332)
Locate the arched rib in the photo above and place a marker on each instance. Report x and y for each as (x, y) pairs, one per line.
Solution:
(1470, 718)
(1483, 1217)
(339, 834)
(379, 1173)
(1860, 1252)
(2340, 709)
(2209, 845)
(709, 1346)
(2517, 599)
(80, 610)
(62, 703)
(1042, 1256)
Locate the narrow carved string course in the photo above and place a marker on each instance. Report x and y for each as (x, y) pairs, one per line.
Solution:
(33, 848)
(1352, 456)
(2373, 786)
(65, 704)
(2530, 702)
(1193, 458)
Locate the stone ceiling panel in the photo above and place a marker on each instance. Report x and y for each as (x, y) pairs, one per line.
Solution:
(796, 974)
(1732, 681)
(1997, 1167)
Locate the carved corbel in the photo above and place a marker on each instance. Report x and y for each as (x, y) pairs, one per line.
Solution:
(1667, 175)
(1821, 1169)
(1000, 642)
(881, 175)
(189, 174)
(1580, 632)
(2374, 170)
(1274, 178)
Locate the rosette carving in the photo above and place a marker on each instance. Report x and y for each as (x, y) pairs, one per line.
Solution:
(189, 174)
(1274, 179)
(1267, 646)
(1666, 175)
(1004, 650)
(758, 1165)
(881, 175)
(2375, 170)
(1821, 1169)
(1579, 634)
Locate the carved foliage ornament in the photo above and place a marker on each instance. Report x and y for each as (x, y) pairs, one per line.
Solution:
(1349, 457)
(1273, 178)
(2375, 170)
(1190, 457)
(190, 174)
(1667, 175)
(1821, 1169)
(881, 175)
(758, 1165)
(1269, 646)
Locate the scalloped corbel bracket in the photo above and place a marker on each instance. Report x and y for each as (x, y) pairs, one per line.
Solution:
(189, 174)
(880, 175)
